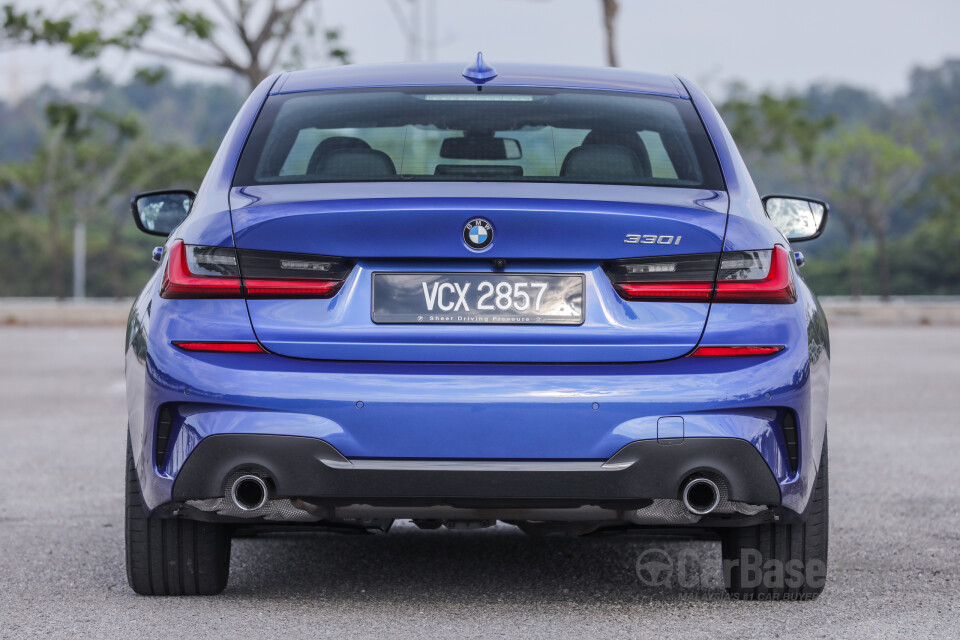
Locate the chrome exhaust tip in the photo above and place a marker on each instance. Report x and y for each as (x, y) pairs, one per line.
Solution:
(701, 496)
(249, 492)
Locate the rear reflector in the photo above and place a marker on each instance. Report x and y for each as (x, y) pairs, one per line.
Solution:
(220, 347)
(763, 276)
(706, 352)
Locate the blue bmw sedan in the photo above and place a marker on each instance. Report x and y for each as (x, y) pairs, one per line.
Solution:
(547, 296)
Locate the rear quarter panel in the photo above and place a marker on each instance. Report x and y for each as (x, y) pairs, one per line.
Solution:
(803, 323)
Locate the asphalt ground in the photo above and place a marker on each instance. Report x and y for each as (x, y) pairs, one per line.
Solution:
(894, 537)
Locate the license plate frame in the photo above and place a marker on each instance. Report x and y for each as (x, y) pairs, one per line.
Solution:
(497, 316)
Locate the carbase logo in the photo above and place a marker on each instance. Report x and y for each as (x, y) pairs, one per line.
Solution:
(660, 568)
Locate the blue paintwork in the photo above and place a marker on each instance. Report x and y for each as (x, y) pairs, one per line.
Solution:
(298, 218)
(469, 410)
(458, 406)
(508, 75)
(291, 218)
(209, 219)
(613, 331)
(479, 72)
(747, 225)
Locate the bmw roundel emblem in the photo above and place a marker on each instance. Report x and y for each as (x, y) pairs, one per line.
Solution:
(478, 233)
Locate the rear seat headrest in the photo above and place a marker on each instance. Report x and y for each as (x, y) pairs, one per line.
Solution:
(355, 164)
(602, 163)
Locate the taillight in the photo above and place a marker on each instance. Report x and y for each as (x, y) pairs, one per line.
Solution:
(741, 276)
(677, 278)
(271, 274)
(756, 276)
(201, 272)
(215, 272)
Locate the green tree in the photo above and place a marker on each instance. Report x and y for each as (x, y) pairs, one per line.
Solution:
(868, 174)
(250, 39)
(81, 177)
(931, 249)
(35, 26)
(771, 126)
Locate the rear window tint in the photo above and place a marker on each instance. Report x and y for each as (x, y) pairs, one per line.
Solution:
(461, 134)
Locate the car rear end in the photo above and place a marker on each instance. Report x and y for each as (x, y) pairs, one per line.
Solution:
(463, 304)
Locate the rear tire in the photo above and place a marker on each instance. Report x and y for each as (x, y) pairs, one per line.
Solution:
(170, 556)
(781, 561)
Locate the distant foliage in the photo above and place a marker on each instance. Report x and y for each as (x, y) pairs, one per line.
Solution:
(85, 163)
(186, 114)
(888, 167)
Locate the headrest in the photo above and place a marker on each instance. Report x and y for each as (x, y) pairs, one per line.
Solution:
(624, 138)
(359, 164)
(329, 145)
(602, 163)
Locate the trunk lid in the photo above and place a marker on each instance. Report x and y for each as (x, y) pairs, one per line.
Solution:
(538, 229)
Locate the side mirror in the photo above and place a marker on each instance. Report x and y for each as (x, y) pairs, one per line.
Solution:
(160, 212)
(798, 219)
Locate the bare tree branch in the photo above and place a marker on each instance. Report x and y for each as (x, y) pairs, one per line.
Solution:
(237, 37)
(402, 21)
(610, 9)
(225, 11)
(224, 63)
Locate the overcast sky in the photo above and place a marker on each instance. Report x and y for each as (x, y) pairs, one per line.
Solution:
(767, 43)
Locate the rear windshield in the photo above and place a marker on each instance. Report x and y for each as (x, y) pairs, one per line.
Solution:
(495, 134)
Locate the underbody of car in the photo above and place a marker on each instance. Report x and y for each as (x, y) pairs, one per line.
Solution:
(550, 297)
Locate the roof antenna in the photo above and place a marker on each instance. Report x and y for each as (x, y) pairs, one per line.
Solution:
(479, 72)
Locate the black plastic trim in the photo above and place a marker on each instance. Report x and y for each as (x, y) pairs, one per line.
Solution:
(313, 469)
(164, 422)
(791, 439)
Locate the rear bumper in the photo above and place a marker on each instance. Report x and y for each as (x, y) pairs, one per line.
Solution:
(578, 416)
(309, 468)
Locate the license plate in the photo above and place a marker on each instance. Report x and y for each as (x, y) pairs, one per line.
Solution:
(477, 298)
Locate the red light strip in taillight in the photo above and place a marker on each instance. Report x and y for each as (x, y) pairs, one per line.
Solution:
(777, 287)
(220, 347)
(706, 352)
(291, 288)
(665, 291)
(178, 282)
